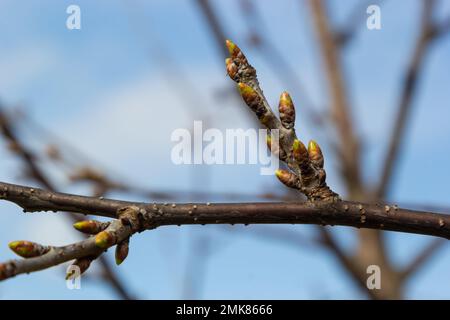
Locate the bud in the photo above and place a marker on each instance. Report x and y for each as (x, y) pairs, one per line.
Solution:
(315, 154)
(104, 240)
(299, 151)
(275, 148)
(249, 95)
(233, 49)
(287, 178)
(28, 249)
(3, 271)
(231, 67)
(122, 251)
(90, 226)
(269, 142)
(287, 111)
(82, 263)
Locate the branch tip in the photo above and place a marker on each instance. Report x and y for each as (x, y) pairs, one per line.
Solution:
(28, 249)
(90, 226)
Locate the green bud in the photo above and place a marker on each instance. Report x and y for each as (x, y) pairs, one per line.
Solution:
(90, 226)
(28, 249)
(104, 240)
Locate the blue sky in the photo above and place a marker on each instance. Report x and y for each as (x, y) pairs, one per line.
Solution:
(107, 91)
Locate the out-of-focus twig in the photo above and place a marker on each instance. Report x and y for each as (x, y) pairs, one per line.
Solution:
(215, 26)
(345, 34)
(371, 248)
(422, 258)
(341, 114)
(427, 34)
(346, 261)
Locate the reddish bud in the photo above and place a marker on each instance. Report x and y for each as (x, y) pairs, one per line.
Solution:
(2, 272)
(122, 251)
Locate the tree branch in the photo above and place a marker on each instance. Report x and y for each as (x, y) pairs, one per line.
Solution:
(344, 213)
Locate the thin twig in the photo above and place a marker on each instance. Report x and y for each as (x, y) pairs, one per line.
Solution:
(280, 67)
(58, 255)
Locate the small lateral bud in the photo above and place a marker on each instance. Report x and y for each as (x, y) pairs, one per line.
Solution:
(269, 142)
(275, 148)
(90, 226)
(287, 111)
(3, 271)
(287, 178)
(122, 251)
(299, 151)
(28, 249)
(231, 67)
(83, 264)
(315, 154)
(104, 240)
(249, 95)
